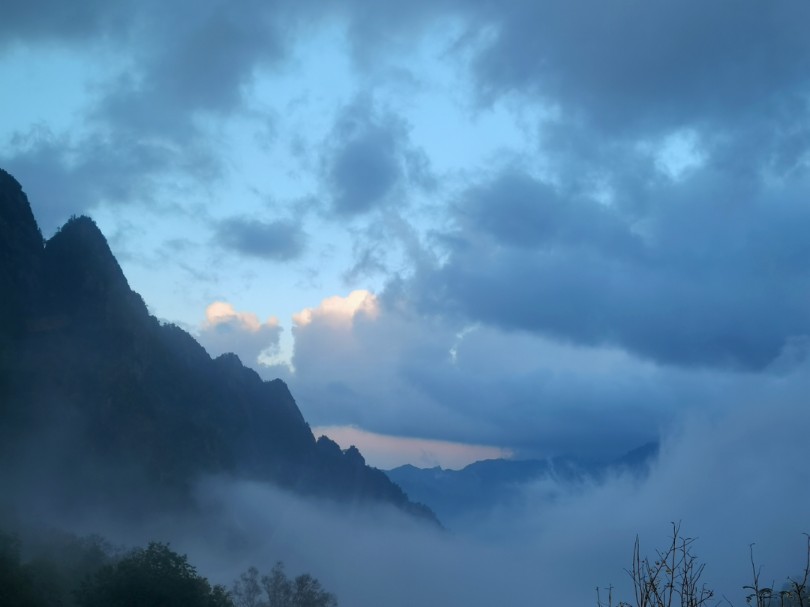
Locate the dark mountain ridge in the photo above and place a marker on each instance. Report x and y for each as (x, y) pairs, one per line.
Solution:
(101, 403)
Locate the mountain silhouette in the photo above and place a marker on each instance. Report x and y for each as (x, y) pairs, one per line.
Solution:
(102, 403)
(462, 497)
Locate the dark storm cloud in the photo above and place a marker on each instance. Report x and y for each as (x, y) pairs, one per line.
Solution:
(648, 65)
(279, 240)
(699, 269)
(49, 20)
(519, 210)
(191, 62)
(711, 275)
(369, 156)
(181, 57)
(626, 66)
(364, 171)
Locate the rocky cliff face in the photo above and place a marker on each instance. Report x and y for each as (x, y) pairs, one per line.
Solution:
(101, 402)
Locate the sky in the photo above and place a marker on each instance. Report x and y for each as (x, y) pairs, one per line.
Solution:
(458, 230)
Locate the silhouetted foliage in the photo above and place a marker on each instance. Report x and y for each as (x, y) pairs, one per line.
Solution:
(55, 564)
(673, 579)
(16, 585)
(793, 593)
(154, 576)
(246, 591)
(277, 590)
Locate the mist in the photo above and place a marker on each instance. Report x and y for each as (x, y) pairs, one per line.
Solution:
(731, 478)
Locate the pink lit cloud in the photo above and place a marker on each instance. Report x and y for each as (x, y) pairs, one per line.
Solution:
(386, 452)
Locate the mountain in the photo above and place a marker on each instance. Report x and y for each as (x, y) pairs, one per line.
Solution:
(102, 404)
(462, 497)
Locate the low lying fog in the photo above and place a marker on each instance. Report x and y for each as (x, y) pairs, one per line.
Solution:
(731, 478)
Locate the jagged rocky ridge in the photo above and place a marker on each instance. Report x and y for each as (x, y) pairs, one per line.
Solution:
(101, 403)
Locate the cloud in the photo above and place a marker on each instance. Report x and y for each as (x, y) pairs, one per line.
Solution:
(390, 370)
(153, 124)
(639, 66)
(517, 209)
(227, 330)
(178, 59)
(718, 474)
(347, 357)
(65, 176)
(368, 158)
(363, 172)
(704, 275)
(612, 234)
(279, 240)
(401, 372)
(52, 20)
(195, 60)
(337, 311)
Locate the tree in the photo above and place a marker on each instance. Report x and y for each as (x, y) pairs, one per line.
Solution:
(672, 579)
(278, 588)
(794, 593)
(246, 591)
(309, 593)
(280, 591)
(155, 576)
(16, 587)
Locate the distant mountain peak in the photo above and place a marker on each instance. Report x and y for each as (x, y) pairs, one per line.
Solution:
(462, 497)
